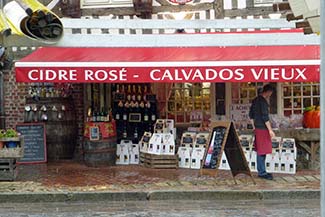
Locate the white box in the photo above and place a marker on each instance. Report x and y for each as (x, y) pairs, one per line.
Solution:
(271, 161)
(184, 157)
(155, 143)
(168, 146)
(246, 142)
(276, 142)
(197, 157)
(201, 140)
(224, 165)
(253, 162)
(247, 154)
(289, 147)
(170, 127)
(144, 142)
(134, 154)
(288, 163)
(122, 152)
(188, 139)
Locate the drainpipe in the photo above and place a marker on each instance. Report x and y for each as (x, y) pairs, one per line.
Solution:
(322, 100)
(2, 112)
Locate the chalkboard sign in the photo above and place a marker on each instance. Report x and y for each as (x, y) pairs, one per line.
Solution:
(224, 138)
(35, 142)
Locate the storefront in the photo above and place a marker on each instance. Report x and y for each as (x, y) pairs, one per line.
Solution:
(133, 87)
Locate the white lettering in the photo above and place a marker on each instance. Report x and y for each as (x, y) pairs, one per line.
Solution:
(257, 75)
(275, 74)
(301, 73)
(198, 75)
(89, 75)
(223, 73)
(123, 74)
(240, 74)
(211, 74)
(152, 73)
(30, 75)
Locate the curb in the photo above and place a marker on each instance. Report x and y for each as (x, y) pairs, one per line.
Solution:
(158, 195)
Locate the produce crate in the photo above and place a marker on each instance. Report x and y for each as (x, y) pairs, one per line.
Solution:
(159, 161)
(8, 170)
(13, 152)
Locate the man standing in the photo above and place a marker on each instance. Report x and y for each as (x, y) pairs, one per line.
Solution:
(259, 116)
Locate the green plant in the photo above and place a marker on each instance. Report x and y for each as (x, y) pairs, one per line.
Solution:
(2, 133)
(10, 133)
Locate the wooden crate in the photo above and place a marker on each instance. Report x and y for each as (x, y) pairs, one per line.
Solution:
(8, 170)
(159, 161)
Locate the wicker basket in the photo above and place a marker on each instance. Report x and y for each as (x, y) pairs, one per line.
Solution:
(13, 152)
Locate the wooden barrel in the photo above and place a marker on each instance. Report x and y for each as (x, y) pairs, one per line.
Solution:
(61, 127)
(100, 153)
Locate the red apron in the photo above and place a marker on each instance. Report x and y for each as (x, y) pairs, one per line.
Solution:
(263, 142)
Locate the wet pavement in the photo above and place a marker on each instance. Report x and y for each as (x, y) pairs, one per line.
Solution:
(71, 176)
(297, 208)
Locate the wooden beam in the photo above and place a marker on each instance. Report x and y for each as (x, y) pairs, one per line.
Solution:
(291, 17)
(302, 24)
(256, 11)
(283, 6)
(163, 2)
(308, 30)
(219, 9)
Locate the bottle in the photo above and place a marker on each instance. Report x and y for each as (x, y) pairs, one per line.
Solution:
(139, 94)
(134, 93)
(128, 93)
(102, 115)
(119, 111)
(145, 119)
(145, 92)
(125, 111)
(135, 133)
(94, 117)
(125, 133)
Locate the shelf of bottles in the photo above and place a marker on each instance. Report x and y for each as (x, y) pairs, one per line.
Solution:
(244, 93)
(297, 96)
(134, 110)
(188, 97)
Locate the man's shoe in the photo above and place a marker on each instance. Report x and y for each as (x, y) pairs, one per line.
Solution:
(267, 176)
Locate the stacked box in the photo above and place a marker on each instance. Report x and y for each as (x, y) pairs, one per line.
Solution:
(134, 153)
(122, 152)
(8, 170)
(127, 153)
(184, 157)
(197, 157)
(161, 143)
(187, 139)
(144, 142)
(288, 156)
(201, 140)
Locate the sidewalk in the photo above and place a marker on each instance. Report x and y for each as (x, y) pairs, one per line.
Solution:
(73, 181)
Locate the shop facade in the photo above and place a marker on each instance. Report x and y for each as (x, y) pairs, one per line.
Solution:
(174, 99)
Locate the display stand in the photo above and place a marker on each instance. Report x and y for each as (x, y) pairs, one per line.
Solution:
(224, 138)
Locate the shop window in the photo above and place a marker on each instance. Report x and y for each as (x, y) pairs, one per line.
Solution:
(244, 93)
(185, 98)
(297, 96)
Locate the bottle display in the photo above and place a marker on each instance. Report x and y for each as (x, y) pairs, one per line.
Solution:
(134, 109)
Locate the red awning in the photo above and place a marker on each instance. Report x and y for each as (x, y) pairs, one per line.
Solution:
(171, 64)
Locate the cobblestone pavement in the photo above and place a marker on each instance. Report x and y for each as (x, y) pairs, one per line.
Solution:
(71, 176)
(296, 208)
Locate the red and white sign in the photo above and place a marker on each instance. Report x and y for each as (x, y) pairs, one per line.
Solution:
(171, 64)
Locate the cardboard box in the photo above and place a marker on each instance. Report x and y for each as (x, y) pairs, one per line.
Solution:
(197, 157)
(134, 153)
(184, 157)
(188, 139)
(201, 140)
(224, 165)
(144, 142)
(122, 152)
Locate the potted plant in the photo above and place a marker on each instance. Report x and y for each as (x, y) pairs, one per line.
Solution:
(12, 138)
(2, 135)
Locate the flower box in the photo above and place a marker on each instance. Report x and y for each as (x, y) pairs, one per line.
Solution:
(16, 152)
